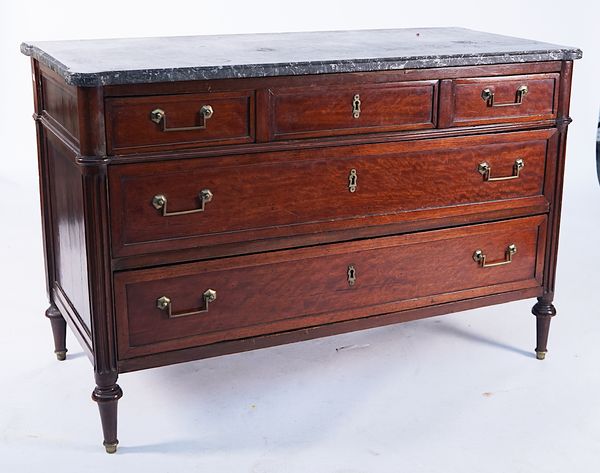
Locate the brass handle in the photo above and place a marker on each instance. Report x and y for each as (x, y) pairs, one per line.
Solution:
(164, 303)
(159, 201)
(160, 116)
(488, 96)
(485, 169)
(479, 257)
(356, 106)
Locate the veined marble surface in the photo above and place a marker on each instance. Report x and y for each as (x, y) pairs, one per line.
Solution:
(143, 60)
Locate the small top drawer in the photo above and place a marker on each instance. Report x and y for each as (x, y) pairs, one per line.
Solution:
(483, 100)
(154, 123)
(307, 112)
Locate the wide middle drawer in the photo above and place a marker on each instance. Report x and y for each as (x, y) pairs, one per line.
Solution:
(198, 202)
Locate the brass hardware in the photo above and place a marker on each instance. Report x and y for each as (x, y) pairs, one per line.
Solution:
(61, 355)
(164, 303)
(207, 111)
(488, 96)
(485, 169)
(352, 180)
(160, 116)
(479, 257)
(540, 355)
(356, 106)
(351, 275)
(111, 447)
(159, 201)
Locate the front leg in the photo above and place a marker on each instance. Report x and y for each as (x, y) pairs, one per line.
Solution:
(543, 310)
(107, 394)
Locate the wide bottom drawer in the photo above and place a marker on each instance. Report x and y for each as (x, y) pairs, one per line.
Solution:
(181, 306)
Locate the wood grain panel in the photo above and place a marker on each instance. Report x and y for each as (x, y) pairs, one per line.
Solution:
(305, 112)
(285, 194)
(278, 291)
(59, 102)
(68, 227)
(130, 128)
(463, 105)
(318, 331)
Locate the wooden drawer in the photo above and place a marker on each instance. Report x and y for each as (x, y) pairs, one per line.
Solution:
(285, 290)
(255, 197)
(141, 124)
(304, 112)
(484, 100)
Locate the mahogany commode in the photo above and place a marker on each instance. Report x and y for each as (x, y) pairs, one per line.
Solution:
(215, 194)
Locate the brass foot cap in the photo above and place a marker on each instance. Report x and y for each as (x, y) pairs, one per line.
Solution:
(61, 355)
(111, 447)
(540, 355)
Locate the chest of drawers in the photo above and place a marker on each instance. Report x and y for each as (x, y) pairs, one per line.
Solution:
(210, 195)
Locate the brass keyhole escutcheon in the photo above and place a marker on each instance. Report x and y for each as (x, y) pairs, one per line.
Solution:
(351, 275)
(356, 106)
(352, 180)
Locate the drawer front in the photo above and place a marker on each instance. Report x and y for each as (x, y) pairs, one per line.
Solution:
(234, 199)
(141, 124)
(194, 304)
(304, 112)
(485, 100)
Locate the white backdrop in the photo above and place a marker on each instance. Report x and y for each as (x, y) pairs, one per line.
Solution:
(456, 394)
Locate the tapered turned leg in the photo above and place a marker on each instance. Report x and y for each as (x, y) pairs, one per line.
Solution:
(107, 394)
(59, 331)
(543, 311)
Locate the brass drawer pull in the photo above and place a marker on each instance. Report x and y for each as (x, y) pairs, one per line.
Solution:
(485, 169)
(479, 257)
(159, 201)
(164, 303)
(160, 116)
(356, 106)
(352, 180)
(488, 96)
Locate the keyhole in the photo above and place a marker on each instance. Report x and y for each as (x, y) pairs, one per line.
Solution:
(356, 106)
(351, 275)
(352, 180)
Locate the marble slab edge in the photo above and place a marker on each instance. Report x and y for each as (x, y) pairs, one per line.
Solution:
(140, 76)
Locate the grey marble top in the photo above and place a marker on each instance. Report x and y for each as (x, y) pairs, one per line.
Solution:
(139, 60)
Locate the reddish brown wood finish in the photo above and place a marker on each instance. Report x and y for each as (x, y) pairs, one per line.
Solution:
(288, 290)
(305, 112)
(66, 198)
(220, 85)
(544, 310)
(60, 104)
(130, 128)
(75, 204)
(464, 105)
(410, 181)
(292, 336)
(283, 194)
(455, 216)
